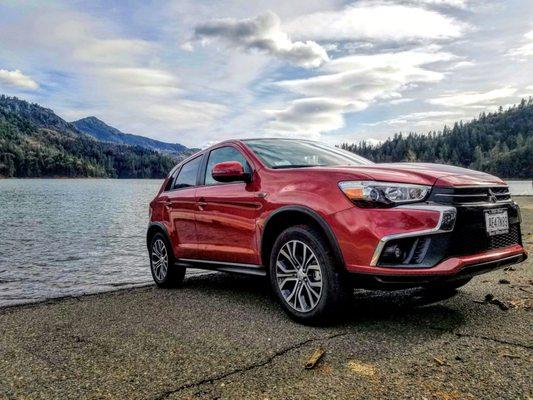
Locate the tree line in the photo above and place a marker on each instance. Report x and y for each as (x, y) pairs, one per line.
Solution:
(500, 143)
(29, 148)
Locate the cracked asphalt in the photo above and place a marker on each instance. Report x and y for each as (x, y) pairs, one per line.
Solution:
(223, 337)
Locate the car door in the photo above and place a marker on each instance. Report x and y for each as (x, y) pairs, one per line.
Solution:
(180, 202)
(227, 212)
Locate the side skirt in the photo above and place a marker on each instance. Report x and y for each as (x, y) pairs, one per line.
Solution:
(249, 269)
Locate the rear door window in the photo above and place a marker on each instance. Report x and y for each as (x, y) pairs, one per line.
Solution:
(188, 174)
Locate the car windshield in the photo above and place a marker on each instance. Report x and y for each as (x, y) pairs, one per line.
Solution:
(287, 153)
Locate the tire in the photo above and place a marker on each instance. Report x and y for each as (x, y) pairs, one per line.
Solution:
(450, 286)
(296, 281)
(165, 273)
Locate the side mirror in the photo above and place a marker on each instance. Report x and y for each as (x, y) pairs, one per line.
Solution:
(229, 171)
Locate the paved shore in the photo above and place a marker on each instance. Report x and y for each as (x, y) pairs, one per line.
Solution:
(222, 336)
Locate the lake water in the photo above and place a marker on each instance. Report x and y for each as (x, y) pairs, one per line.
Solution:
(521, 188)
(61, 237)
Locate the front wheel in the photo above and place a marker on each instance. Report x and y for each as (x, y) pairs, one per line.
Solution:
(164, 272)
(305, 277)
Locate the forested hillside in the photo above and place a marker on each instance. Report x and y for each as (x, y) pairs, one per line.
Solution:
(35, 142)
(499, 143)
(105, 133)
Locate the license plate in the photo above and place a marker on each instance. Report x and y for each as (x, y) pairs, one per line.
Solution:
(496, 221)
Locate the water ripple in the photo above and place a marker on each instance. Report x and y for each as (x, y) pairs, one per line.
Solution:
(72, 237)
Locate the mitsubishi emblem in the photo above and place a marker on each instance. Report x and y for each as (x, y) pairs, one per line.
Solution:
(492, 196)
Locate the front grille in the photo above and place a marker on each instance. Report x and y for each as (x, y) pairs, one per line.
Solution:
(471, 195)
(479, 242)
(470, 236)
(505, 240)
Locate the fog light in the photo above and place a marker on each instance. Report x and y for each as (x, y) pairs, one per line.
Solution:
(393, 253)
(448, 220)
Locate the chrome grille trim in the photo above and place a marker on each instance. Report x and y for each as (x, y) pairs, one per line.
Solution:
(475, 194)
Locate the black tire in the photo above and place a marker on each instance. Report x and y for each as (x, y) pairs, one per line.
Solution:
(451, 286)
(335, 289)
(173, 277)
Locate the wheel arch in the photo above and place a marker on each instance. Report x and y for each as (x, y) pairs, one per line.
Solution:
(156, 227)
(287, 216)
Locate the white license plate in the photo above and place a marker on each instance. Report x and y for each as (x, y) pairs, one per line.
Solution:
(496, 221)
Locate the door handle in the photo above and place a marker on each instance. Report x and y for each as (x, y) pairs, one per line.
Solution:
(201, 202)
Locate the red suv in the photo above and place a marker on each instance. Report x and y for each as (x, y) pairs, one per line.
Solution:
(318, 221)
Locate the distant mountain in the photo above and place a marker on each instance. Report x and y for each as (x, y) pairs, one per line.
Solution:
(500, 143)
(35, 142)
(101, 131)
(34, 114)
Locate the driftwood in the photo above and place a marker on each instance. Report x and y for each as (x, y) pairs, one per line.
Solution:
(315, 357)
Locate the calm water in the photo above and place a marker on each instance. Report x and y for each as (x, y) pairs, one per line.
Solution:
(521, 188)
(69, 237)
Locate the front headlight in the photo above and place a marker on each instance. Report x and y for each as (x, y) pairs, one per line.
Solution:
(379, 194)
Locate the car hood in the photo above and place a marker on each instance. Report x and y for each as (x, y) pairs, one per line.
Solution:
(424, 174)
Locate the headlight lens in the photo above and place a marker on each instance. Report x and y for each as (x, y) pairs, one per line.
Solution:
(376, 194)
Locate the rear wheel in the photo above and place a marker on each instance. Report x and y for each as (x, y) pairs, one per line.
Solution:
(164, 272)
(305, 277)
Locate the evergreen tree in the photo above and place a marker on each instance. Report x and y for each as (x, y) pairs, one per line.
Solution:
(34, 142)
(500, 143)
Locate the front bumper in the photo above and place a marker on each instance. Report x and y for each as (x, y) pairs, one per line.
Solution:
(453, 252)
(450, 269)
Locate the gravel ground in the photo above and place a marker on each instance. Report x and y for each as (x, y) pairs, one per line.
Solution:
(222, 336)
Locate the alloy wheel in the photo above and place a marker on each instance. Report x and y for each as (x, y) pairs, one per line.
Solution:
(159, 260)
(299, 276)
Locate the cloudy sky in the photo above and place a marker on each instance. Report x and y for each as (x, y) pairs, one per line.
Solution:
(197, 72)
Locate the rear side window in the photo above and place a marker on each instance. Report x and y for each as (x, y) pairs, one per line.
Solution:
(223, 154)
(171, 178)
(188, 173)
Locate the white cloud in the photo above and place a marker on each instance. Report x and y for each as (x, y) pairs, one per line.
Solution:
(373, 141)
(422, 118)
(367, 77)
(262, 33)
(401, 100)
(526, 50)
(420, 56)
(147, 80)
(474, 99)
(113, 51)
(446, 3)
(376, 21)
(462, 64)
(127, 67)
(17, 79)
(312, 115)
(354, 83)
(186, 114)
(94, 69)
